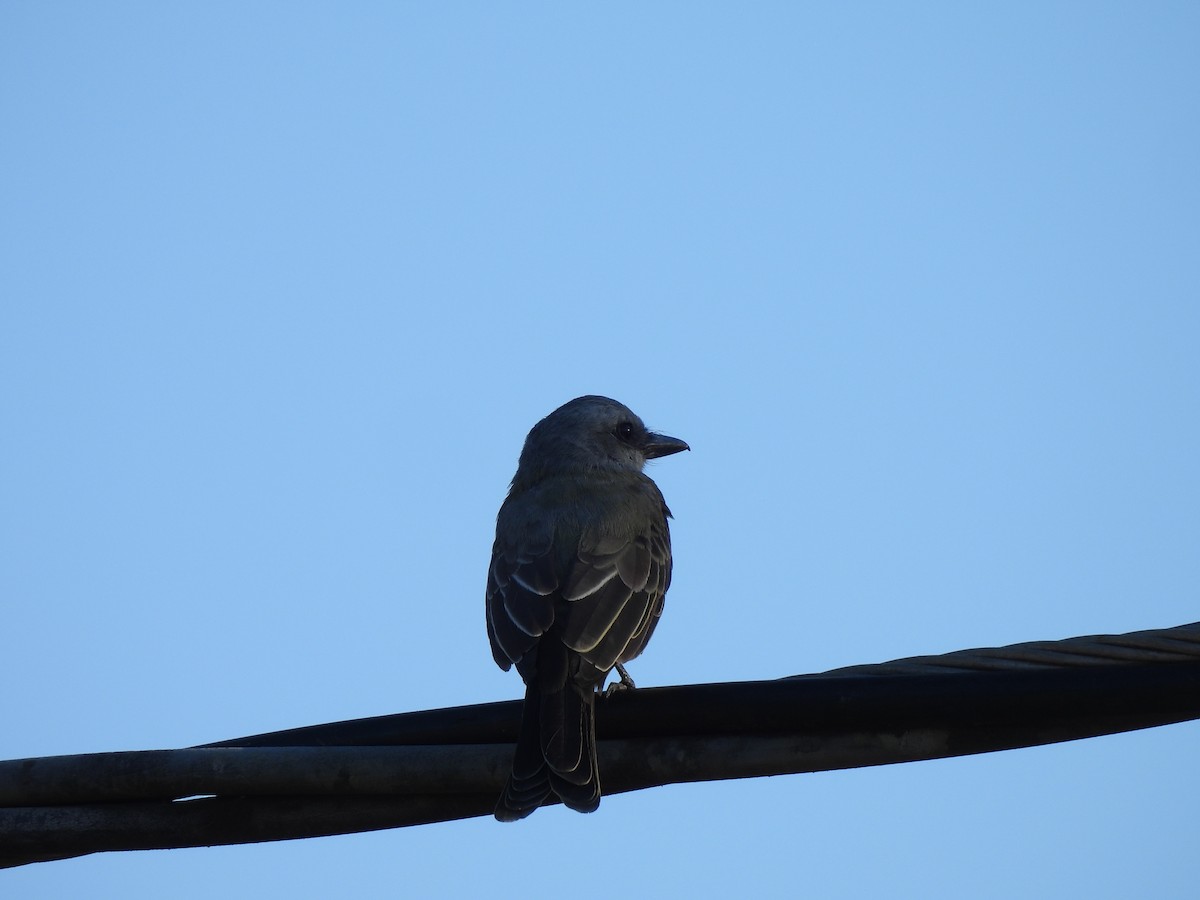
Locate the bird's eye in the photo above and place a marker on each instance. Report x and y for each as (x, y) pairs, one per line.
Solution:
(624, 431)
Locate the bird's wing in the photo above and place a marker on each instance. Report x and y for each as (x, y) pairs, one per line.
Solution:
(615, 590)
(521, 587)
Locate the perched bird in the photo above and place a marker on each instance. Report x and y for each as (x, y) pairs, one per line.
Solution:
(581, 564)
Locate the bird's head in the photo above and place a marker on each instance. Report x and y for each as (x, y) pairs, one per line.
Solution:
(588, 434)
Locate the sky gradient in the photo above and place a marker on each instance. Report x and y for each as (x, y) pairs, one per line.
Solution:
(284, 287)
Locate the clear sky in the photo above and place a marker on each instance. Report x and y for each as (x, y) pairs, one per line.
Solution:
(284, 285)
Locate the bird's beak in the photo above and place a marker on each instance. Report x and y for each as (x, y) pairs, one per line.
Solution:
(657, 445)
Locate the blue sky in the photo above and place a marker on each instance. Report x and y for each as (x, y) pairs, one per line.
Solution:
(285, 285)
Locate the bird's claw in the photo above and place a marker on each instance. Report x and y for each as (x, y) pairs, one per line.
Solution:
(625, 684)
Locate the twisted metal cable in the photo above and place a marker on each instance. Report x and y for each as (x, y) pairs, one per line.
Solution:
(1160, 645)
(438, 765)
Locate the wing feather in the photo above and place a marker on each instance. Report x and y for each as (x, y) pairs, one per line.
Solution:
(521, 589)
(616, 588)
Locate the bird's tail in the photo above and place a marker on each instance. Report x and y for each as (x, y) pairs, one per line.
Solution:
(556, 749)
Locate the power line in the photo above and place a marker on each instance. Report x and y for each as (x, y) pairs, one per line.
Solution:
(438, 765)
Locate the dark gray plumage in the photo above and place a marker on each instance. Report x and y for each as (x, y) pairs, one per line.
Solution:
(581, 564)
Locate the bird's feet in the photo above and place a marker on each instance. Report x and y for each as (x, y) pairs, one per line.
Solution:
(625, 684)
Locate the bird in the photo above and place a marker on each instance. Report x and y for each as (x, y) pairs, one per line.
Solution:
(579, 571)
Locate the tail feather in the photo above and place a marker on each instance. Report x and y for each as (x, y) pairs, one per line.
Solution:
(579, 788)
(567, 741)
(528, 785)
(556, 749)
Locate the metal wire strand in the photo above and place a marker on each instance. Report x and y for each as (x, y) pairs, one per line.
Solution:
(1162, 645)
